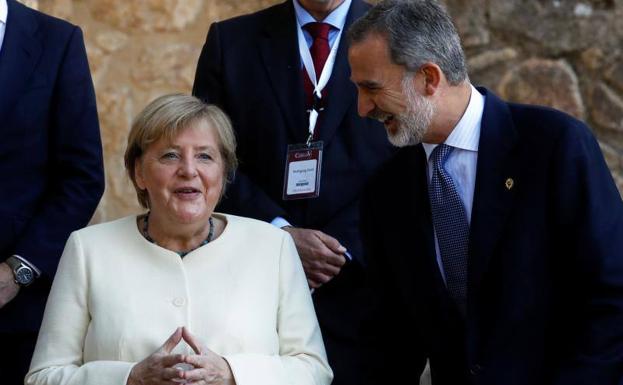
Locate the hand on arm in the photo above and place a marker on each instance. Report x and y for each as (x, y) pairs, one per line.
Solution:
(8, 287)
(322, 256)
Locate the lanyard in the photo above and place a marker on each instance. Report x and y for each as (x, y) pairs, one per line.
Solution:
(319, 84)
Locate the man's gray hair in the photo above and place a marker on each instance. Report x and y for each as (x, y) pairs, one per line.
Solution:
(417, 32)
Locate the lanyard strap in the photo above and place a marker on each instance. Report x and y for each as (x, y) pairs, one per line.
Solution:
(319, 84)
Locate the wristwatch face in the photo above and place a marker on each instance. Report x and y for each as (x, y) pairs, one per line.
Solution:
(24, 275)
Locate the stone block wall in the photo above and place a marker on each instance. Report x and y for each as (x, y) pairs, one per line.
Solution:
(566, 54)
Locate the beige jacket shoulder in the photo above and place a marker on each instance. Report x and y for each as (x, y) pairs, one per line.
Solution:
(117, 297)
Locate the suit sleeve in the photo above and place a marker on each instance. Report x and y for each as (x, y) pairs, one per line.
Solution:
(76, 175)
(388, 325)
(589, 216)
(243, 196)
(58, 357)
(302, 359)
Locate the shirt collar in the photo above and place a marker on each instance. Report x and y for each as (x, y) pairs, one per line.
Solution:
(3, 11)
(337, 17)
(466, 133)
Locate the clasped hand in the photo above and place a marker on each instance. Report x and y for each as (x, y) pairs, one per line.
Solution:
(322, 255)
(208, 368)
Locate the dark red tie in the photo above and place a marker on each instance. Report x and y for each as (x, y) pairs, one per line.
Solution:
(319, 52)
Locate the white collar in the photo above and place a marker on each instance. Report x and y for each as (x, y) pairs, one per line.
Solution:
(466, 133)
(4, 10)
(337, 17)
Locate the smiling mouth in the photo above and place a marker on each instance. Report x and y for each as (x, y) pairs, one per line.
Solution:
(186, 191)
(381, 117)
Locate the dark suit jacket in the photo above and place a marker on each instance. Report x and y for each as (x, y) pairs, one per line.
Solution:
(50, 150)
(250, 66)
(545, 268)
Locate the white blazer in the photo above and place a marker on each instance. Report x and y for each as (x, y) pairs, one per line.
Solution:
(117, 297)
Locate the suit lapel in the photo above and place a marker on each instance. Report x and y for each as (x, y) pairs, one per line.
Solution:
(280, 55)
(19, 55)
(341, 92)
(413, 224)
(496, 180)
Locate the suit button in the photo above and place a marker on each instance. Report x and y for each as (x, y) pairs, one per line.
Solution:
(179, 301)
(475, 370)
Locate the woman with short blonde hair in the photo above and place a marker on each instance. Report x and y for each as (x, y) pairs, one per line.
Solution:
(180, 293)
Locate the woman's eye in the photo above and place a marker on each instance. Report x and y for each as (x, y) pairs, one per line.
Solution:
(204, 156)
(170, 155)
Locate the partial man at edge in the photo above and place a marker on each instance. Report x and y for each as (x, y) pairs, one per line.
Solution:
(50, 166)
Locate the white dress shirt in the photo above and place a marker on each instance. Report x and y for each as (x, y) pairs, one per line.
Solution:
(461, 163)
(4, 10)
(337, 19)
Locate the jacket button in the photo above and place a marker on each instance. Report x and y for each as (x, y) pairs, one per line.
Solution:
(179, 301)
(475, 370)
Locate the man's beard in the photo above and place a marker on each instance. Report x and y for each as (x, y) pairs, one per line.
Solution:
(412, 125)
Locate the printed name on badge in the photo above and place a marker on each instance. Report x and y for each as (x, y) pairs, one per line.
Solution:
(302, 171)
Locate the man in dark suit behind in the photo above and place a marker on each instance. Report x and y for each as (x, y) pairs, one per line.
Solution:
(251, 66)
(496, 232)
(50, 167)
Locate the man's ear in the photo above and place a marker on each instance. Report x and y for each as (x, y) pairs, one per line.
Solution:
(433, 76)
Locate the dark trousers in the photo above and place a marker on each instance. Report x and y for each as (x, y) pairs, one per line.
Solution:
(15, 354)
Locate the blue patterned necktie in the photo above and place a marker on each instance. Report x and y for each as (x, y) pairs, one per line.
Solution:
(451, 226)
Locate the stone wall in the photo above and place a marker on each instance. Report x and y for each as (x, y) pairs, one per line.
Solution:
(566, 54)
(560, 53)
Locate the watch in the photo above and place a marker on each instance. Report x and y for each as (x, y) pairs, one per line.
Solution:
(24, 274)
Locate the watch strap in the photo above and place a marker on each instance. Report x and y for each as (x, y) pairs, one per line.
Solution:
(13, 262)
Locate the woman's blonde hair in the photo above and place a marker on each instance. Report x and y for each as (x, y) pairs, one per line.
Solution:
(166, 117)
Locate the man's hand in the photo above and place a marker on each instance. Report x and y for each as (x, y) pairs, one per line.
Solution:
(8, 287)
(321, 254)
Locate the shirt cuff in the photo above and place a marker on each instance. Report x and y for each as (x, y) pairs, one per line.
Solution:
(280, 222)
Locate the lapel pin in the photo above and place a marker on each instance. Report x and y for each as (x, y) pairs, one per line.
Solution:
(509, 183)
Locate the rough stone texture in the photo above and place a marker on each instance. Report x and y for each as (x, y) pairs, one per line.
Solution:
(116, 110)
(99, 62)
(489, 58)
(555, 26)
(171, 65)
(31, 3)
(147, 15)
(111, 41)
(613, 157)
(607, 108)
(544, 82)
(615, 75)
(59, 8)
(592, 58)
(470, 20)
(140, 49)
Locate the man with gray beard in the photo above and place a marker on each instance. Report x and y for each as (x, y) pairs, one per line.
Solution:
(495, 235)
